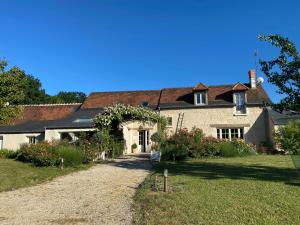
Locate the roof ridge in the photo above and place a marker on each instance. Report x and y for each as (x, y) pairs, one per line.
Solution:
(97, 92)
(56, 104)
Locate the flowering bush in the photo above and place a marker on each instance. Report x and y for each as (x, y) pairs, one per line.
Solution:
(194, 144)
(114, 115)
(50, 154)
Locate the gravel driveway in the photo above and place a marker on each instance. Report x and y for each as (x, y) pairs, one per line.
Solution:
(100, 195)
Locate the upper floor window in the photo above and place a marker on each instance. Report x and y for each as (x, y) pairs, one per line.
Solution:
(240, 102)
(200, 98)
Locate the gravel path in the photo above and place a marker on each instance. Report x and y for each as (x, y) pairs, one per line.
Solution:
(100, 195)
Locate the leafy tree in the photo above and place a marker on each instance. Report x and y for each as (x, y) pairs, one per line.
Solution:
(284, 71)
(10, 91)
(32, 88)
(71, 97)
(288, 137)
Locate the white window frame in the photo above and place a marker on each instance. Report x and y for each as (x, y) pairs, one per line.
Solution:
(240, 102)
(200, 98)
(32, 137)
(240, 133)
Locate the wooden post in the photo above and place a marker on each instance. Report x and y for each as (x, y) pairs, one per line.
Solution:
(62, 164)
(165, 180)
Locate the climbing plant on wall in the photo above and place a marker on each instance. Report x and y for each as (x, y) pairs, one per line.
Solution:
(115, 115)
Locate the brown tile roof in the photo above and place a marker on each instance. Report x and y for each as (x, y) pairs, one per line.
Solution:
(200, 87)
(217, 95)
(45, 112)
(175, 97)
(135, 98)
(239, 87)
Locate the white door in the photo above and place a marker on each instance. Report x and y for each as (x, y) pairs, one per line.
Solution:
(1, 142)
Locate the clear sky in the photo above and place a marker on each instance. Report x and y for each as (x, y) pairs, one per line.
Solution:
(108, 45)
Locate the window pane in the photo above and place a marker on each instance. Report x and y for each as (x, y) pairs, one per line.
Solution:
(198, 98)
(242, 133)
(169, 121)
(203, 98)
(218, 133)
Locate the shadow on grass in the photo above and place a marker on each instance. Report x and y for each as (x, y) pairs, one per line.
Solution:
(211, 170)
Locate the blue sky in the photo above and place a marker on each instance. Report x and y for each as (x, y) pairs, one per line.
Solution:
(110, 45)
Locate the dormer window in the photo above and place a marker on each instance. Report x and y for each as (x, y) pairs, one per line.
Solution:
(200, 98)
(240, 102)
(239, 98)
(200, 94)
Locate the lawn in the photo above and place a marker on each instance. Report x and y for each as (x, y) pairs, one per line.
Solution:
(14, 174)
(249, 190)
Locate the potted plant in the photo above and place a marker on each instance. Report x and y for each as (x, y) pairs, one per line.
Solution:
(134, 148)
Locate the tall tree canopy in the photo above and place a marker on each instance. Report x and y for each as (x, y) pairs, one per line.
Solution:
(284, 71)
(31, 86)
(10, 91)
(32, 91)
(71, 97)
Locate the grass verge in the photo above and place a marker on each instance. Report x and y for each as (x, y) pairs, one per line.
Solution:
(14, 174)
(247, 190)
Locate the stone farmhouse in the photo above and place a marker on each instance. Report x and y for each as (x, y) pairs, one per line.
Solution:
(223, 111)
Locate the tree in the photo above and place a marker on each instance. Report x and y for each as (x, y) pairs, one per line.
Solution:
(284, 71)
(71, 97)
(10, 91)
(288, 137)
(32, 88)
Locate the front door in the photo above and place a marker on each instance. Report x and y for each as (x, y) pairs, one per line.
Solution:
(142, 140)
(1, 142)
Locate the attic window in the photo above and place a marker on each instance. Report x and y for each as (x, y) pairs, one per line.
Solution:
(145, 104)
(200, 98)
(240, 102)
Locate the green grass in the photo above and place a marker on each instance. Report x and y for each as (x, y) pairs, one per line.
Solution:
(14, 174)
(248, 190)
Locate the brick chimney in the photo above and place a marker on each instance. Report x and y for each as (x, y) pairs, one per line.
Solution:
(252, 78)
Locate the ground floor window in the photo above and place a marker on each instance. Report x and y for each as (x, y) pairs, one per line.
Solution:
(31, 139)
(230, 133)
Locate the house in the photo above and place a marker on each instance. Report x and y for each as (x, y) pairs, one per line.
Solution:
(222, 111)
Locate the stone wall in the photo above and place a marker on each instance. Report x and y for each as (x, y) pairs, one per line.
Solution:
(208, 119)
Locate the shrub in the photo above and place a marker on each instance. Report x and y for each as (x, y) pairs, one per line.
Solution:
(40, 154)
(206, 147)
(236, 147)
(90, 151)
(288, 138)
(134, 146)
(242, 147)
(72, 156)
(9, 154)
(227, 149)
(171, 151)
(50, 154)
(117, 148)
